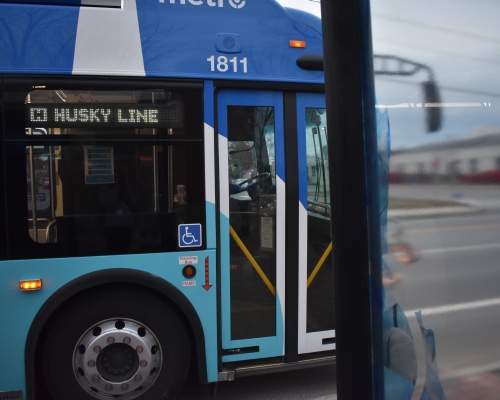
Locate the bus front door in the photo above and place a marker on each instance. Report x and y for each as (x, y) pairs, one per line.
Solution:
(252, 223)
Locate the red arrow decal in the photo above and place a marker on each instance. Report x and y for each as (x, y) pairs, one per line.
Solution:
(206, 286)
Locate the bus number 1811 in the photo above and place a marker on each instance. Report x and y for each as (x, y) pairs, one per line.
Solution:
(224, 64)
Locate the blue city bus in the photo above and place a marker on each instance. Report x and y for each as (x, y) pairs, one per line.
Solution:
(165, 196)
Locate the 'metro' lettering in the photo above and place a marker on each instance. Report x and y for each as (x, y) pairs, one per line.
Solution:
(210, 3)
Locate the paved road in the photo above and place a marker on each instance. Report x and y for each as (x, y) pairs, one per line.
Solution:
(456, 284)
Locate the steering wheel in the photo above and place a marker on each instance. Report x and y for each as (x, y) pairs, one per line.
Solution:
(251, 182)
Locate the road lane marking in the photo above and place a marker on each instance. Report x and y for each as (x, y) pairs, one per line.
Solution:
(461, 248)
(429, 212)
(449, 308)
(471, 371)
(451, 228)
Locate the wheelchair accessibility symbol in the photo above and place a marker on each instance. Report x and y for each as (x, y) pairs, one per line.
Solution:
(189, 235)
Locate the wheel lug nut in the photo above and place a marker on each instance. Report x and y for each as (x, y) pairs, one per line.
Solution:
(126, 340)
(97, 349)
(108, 387)
(91, 363)
(144, 363)
(95, 378)
(137, 378)
(111, 340)
(139, 349)
(124, 386)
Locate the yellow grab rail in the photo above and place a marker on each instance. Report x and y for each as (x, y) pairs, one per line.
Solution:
(319, 264)
(250, 258)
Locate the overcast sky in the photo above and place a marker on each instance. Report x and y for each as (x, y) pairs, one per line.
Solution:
(310, 6)
(459, 40)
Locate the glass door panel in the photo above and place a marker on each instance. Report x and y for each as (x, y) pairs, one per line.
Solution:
(316, 323)
(252, 223)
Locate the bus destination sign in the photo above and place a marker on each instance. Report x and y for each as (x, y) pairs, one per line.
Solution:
(104, 115)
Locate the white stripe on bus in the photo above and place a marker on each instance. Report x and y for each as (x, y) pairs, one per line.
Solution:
(108, 41)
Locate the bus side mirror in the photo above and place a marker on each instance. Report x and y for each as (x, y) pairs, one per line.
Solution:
(432, 104)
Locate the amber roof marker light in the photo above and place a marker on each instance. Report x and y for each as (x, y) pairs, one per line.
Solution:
(298, 44)
(33, 284)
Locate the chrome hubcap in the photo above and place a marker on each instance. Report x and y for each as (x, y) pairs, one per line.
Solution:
(117, 357)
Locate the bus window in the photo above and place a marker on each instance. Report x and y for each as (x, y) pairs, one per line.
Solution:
(320, 316)
(316, 315)
(120, 196)
(317, 156)
(252, 208)
(38, 186)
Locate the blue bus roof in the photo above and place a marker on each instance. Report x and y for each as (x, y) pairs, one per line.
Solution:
(206, 39)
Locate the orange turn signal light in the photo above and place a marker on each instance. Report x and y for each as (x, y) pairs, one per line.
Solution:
(298, 44)
(35, 284)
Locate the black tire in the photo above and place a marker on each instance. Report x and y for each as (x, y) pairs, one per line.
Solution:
(85, 312)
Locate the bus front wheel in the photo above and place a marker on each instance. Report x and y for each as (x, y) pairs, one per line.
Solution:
(116, 343)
